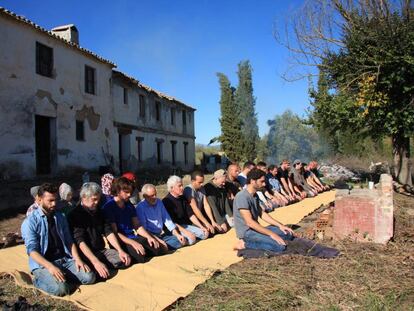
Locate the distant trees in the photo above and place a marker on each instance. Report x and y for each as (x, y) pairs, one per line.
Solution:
(239, 131)
(290, 138)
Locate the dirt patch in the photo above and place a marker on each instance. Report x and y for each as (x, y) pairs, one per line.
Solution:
(13, 297)
(11, 224)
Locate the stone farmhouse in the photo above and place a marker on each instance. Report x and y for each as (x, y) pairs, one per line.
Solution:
(62, 107)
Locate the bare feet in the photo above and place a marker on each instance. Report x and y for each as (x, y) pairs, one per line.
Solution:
(239, 245)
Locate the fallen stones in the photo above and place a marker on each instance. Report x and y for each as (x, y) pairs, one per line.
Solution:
(321, 227)
(337, 172)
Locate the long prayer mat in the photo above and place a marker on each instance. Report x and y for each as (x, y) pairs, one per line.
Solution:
(161, 281)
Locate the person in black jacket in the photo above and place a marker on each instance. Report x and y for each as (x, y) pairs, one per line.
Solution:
(219, 202)
(89, 228)
(181, 212)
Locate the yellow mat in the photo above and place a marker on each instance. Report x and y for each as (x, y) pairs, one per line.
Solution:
(160, 282)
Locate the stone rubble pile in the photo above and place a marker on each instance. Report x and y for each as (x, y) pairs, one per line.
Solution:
(337, 172)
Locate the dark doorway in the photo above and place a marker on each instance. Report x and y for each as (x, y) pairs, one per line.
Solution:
(124, 151)
(159, 152)
(43, 145)
(120, 154)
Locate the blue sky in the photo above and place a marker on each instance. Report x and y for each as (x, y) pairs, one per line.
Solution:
(178, 46)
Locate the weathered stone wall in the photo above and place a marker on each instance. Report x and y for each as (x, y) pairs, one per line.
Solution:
(364, 214)
(150, 130)
(24, 94)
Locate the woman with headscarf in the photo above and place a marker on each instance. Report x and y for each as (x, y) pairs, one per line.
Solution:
(66, 204)
(106, 185)
(35, 205)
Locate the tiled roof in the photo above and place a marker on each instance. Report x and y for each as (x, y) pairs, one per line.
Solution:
(149, 89)
(26, 21)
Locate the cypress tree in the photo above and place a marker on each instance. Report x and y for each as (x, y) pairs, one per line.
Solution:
(230, 122)
(245, 103)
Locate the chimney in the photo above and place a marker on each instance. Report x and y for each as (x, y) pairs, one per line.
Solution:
(67, 32)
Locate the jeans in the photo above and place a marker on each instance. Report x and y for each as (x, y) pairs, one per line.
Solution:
(256, 240)
(171, 241)
(194, 230)
(45, 281)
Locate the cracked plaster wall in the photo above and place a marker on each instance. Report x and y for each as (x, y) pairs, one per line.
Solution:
(23, 94)
(129, 114)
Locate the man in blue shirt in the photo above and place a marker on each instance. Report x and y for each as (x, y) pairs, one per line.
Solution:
(247, 167)
(274, 187)
(53, 257)
(120, 213)
(153, 216)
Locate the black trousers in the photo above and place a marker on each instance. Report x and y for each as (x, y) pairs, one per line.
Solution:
(149, 251)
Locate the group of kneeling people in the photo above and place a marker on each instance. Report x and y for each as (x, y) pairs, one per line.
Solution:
(105, 231)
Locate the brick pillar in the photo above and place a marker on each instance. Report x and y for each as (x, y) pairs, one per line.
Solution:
(363, 214)
(385, 210)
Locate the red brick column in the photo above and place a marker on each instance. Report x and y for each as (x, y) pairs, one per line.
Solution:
(363, 214)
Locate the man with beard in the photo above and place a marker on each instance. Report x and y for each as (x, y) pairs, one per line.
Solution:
(247, 211)
(53, 257)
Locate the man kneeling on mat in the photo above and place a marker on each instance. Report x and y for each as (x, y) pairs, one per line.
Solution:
(246, 211)
(89, 227)
(120, 213)
(53, 257)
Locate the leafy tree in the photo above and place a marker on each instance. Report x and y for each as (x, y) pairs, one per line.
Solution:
(365, 52)
(231, 135)
(328, 116)
(245, 103)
